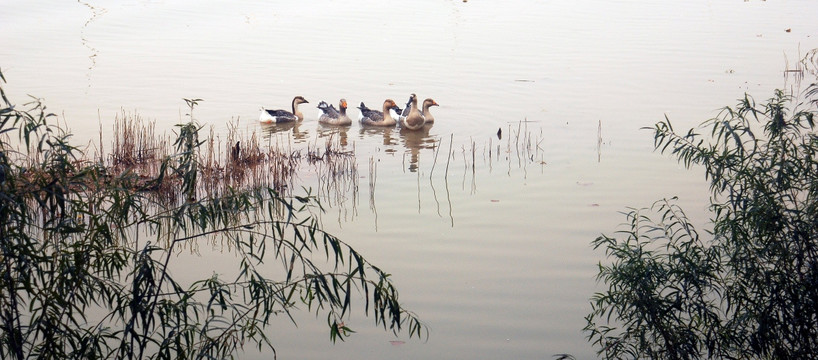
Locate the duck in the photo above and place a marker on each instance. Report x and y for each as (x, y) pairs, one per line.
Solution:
(429, 102)
(283, 116)
(413, 120)
(387, 117)
(330, 116)
(427, 115)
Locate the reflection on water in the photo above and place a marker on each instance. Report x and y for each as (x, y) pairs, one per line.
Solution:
(292, 130)
(416, 140)
(522, 144)
(446, 164)
(332, 131)
(386, 133)
(437, 164)
(373, 179)
(95, 13)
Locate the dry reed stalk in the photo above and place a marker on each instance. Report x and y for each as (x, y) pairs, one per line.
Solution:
(437, 150)
(472, 157)
(449, 157)
(138, 156)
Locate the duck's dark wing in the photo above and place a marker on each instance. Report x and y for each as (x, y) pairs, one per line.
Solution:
(278, 113)
(328, 110)
(332, 111)
(405, 111)
(375, 115)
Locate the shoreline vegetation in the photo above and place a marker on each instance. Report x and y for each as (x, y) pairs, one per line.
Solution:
(86, 245)
(746, 287)
(238, 161)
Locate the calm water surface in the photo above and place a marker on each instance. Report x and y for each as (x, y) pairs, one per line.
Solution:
(494, 254)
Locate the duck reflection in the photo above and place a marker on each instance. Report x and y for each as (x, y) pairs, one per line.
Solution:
(390, 140)
(415, 141)
(270, 130)
(334, 131)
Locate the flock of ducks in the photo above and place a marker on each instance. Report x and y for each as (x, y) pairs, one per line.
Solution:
(410, 117)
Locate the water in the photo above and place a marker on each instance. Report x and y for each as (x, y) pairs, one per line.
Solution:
(494, 255)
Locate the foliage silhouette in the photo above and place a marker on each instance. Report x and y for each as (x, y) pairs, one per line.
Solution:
(86, 254)
(749, 289)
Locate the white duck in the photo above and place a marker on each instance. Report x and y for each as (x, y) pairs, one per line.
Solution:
(283, 116)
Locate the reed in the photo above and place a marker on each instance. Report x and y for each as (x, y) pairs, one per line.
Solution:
(135, 145)
(238, 160)
(437, 151)
(235, 160)
(449, 157)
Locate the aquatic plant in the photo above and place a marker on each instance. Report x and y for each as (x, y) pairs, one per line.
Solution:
(749, 288)
(86, 249)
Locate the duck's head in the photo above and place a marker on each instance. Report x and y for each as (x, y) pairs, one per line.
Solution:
(390, 104)
(430, 102)
(300, 100)
(343, 104)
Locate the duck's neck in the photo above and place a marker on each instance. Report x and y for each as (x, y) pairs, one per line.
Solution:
(414, 106)
(426, 113)
(296, 112)
(387, 116)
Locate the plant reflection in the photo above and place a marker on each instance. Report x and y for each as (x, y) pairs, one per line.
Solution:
(335, 170)
(333, 159)
(95, 13)
(373, 177)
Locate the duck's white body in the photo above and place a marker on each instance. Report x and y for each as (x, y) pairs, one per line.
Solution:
(283, 116)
